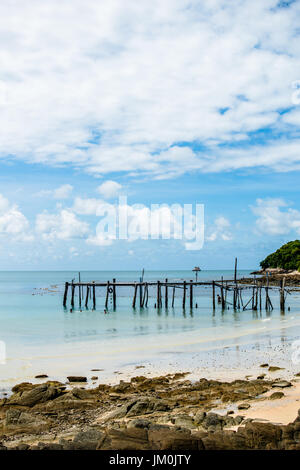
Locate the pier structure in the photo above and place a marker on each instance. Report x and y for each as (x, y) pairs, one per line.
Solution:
(227, 294)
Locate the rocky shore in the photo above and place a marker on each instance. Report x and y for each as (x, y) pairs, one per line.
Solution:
(274, 276)
(162, 413)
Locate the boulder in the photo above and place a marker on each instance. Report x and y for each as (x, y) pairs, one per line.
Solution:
(39, 394)
(276, 395)
(73, 378)
(282, 384)
(243, 406)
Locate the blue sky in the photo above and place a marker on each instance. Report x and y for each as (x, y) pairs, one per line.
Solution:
(182, 102)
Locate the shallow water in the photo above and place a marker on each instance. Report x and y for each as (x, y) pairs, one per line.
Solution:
(42, 337)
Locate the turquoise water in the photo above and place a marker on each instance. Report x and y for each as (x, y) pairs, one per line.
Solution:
(43, 337)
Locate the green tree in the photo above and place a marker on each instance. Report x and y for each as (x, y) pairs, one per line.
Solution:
(286, 257)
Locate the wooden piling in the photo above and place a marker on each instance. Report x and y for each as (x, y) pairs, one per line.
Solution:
(134, 296)
(282, 295)
(191, 293)
(114, 295)
(184, 294)
(94, 297)
(166, 294)
(214, 294)
(73, 292)
(222, 295)
(173, 296)
(107, 294)
(141, 291)
(87, 296)
(66, 294)
(79, 289)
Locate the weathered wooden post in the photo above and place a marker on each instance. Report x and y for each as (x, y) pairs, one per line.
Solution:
(191, 293)
(94, 297)
(222, 295)
(214, 294)
(147, 295)
(267, 294)
(141, 291)
(166, 294)
(73, 292)
(87, 296)
(184, 294)
(173, 296)
(158, 295)
(107, 294)
(282, 296)
(134, 296)
(66, 294)
(79, 288)
(114, 295)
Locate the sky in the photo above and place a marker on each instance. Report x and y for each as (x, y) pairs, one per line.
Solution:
(173, 102)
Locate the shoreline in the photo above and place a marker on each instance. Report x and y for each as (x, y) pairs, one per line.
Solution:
(55, 415)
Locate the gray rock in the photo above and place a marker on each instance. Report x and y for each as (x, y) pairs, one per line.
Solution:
(212, 420)
(199, 417)
(243, 406)
(40, 394)
(282, 384)
(139, 423)
(87, 440)
(238, 419)
(184, 421)
(74, 378)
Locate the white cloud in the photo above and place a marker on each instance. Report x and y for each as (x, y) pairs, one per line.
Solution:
(13, 223)
(62, 192)
(63, 226)
(115, 86)
(219, 230)
(90, 206)
(109, 189)
(272, 220)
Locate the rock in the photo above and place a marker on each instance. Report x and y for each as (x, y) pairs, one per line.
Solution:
(261, 377)
(276, 395)
(94, 377)
(298, 374)
(39, 394)
(146, 406)
(21, 421)
(238, 419)
(199, 417)
(243, 406)
(41, 376)
(73, 378)
(184, 421)
(139, 423)
(87, 440)
(264, 365)
(212, 420)
(274, 368)
(282, 384)
(23, 446)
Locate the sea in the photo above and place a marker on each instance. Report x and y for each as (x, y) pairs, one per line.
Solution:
(39, 336)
